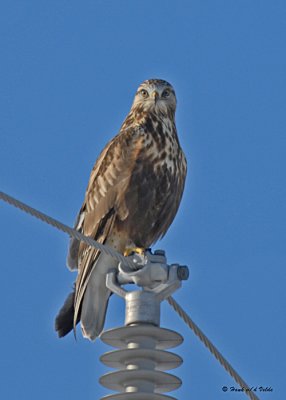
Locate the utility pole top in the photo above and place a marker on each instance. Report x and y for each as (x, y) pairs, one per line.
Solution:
(141, 358)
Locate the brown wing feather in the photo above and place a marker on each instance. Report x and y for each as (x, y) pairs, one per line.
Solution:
(108, 173)
(88, 262)
(104, 203)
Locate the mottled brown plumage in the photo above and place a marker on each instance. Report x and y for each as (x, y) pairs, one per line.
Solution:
(132, 197)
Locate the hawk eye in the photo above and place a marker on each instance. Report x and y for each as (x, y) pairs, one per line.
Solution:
(144, 93)
(166, 93)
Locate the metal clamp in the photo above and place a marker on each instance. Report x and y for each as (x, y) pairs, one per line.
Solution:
(157, 280)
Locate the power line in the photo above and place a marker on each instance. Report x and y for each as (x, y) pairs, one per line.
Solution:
(65, 228)
(120, 258)
(199, 333)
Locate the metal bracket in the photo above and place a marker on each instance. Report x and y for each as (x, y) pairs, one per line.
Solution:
(155, 277)
(152, 274)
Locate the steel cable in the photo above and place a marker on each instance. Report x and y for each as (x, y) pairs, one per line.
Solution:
(65, 228)
(197, 331)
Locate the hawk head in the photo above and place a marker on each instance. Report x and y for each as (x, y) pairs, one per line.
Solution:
(155, 95)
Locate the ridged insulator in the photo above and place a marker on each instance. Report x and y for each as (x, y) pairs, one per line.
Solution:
(141, 361)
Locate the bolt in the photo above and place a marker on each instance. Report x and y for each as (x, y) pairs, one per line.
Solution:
(183, 272)
(159, 253)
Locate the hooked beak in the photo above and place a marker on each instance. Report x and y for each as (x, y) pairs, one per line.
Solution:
(155, 96)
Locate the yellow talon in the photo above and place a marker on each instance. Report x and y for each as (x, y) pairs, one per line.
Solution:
(130, 250)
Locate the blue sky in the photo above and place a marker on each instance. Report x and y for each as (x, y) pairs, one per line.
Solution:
(69, 71)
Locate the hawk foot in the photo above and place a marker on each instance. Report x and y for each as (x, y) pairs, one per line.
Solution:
(131, 250)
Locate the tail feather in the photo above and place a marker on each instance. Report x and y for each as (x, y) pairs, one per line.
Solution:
(94, 308)
(64, 319)
(96, 296)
